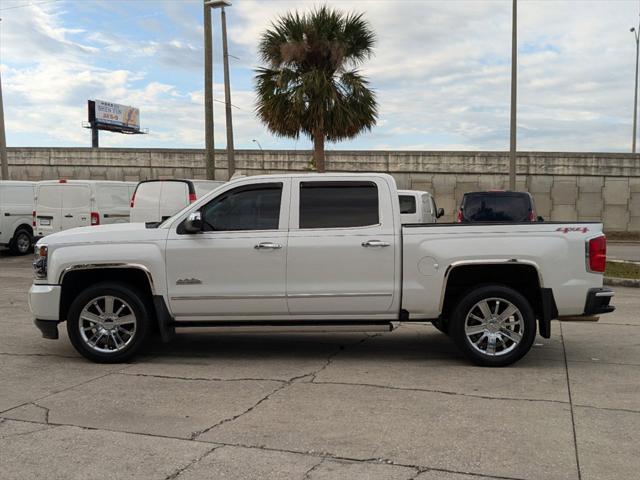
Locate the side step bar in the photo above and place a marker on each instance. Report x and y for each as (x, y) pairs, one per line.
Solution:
(284, 326)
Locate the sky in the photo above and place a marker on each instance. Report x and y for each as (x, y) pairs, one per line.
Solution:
(440, 70)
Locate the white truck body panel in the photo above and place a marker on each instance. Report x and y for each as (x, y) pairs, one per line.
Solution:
(431, 251)
(323, 273)
(16, 207)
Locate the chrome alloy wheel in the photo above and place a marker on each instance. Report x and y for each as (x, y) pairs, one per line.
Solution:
(107, 324)
(494, 326)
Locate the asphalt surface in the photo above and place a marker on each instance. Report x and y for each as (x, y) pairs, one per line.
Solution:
(624, 251)
(402, 405)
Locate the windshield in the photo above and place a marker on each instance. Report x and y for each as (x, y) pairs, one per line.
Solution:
(496, 208)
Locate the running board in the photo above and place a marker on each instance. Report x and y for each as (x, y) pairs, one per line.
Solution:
(315, 326)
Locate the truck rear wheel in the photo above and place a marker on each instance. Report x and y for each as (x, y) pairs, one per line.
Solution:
(493, 326)
(108, 323)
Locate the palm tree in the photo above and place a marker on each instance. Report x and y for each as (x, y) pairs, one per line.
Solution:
(311, 84)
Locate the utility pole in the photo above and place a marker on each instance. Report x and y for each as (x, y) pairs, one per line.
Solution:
(210, 161)
(514, 82)
(3, 142)
(231, 157)
(635, 91)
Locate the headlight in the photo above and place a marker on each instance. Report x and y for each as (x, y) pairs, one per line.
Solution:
(40, 261)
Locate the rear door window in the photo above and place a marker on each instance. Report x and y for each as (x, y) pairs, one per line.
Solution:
(496, 208)
(338, 204)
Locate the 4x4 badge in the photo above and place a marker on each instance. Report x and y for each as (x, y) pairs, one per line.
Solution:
(188, 281)
(572, 229)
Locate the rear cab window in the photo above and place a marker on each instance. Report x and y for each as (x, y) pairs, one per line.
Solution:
(407, 204)
(341, 204)
(497, 207)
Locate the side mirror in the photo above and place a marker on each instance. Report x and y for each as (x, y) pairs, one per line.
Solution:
(540, 219)
(440, 212)
(193, 223)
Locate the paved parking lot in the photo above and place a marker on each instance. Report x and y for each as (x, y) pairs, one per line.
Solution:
(402, 405)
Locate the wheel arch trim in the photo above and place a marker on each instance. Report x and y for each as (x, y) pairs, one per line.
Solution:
(121, 265)
(482, 262)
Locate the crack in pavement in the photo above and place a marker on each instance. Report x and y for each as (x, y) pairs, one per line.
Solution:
(195, 435)
(198, 433)
(443, 392)
(419, 471)
(573, 422)
(373, 461)
(325, 455)
(193, 462)
(203, 379)
(11, 435)
(66, 389)
(609, 409)
(46, 411)
(307, 474)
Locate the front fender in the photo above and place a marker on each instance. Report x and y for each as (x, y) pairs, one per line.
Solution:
(148, 257)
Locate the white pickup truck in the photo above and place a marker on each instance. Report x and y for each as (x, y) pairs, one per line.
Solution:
(313, 252)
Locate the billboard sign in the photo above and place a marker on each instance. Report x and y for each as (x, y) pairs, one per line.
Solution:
(114, 115)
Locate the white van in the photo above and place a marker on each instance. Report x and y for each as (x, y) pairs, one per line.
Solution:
(157, 200)
(16, 207)
(63, 204)
(417, 206)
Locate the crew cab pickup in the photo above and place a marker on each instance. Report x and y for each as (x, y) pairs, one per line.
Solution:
(313, 252)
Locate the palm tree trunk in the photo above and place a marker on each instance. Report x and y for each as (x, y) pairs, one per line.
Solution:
(318, 150)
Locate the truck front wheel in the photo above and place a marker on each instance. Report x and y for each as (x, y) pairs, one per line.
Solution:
(108, 323)
(493, 325)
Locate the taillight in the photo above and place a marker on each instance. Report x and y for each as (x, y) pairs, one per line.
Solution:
(192, 197)
(133, 198)
(459, 219)
(597, 254)
(532, 216)
(95, 218)
(33, 221)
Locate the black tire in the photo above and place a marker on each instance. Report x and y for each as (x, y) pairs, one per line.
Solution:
(512, 351)
(22, 242)
(124, 294)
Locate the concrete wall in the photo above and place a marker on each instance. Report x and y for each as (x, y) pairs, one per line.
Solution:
(566, 186)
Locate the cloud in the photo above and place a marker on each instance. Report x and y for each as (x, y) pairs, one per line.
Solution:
(441, 72)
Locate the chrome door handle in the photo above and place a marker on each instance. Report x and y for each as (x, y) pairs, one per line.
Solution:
(375, 243)
(267, 246)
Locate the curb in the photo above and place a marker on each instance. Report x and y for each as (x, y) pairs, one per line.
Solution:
(622, 282)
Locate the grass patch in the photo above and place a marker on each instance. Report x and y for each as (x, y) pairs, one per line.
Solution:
(622, 270)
